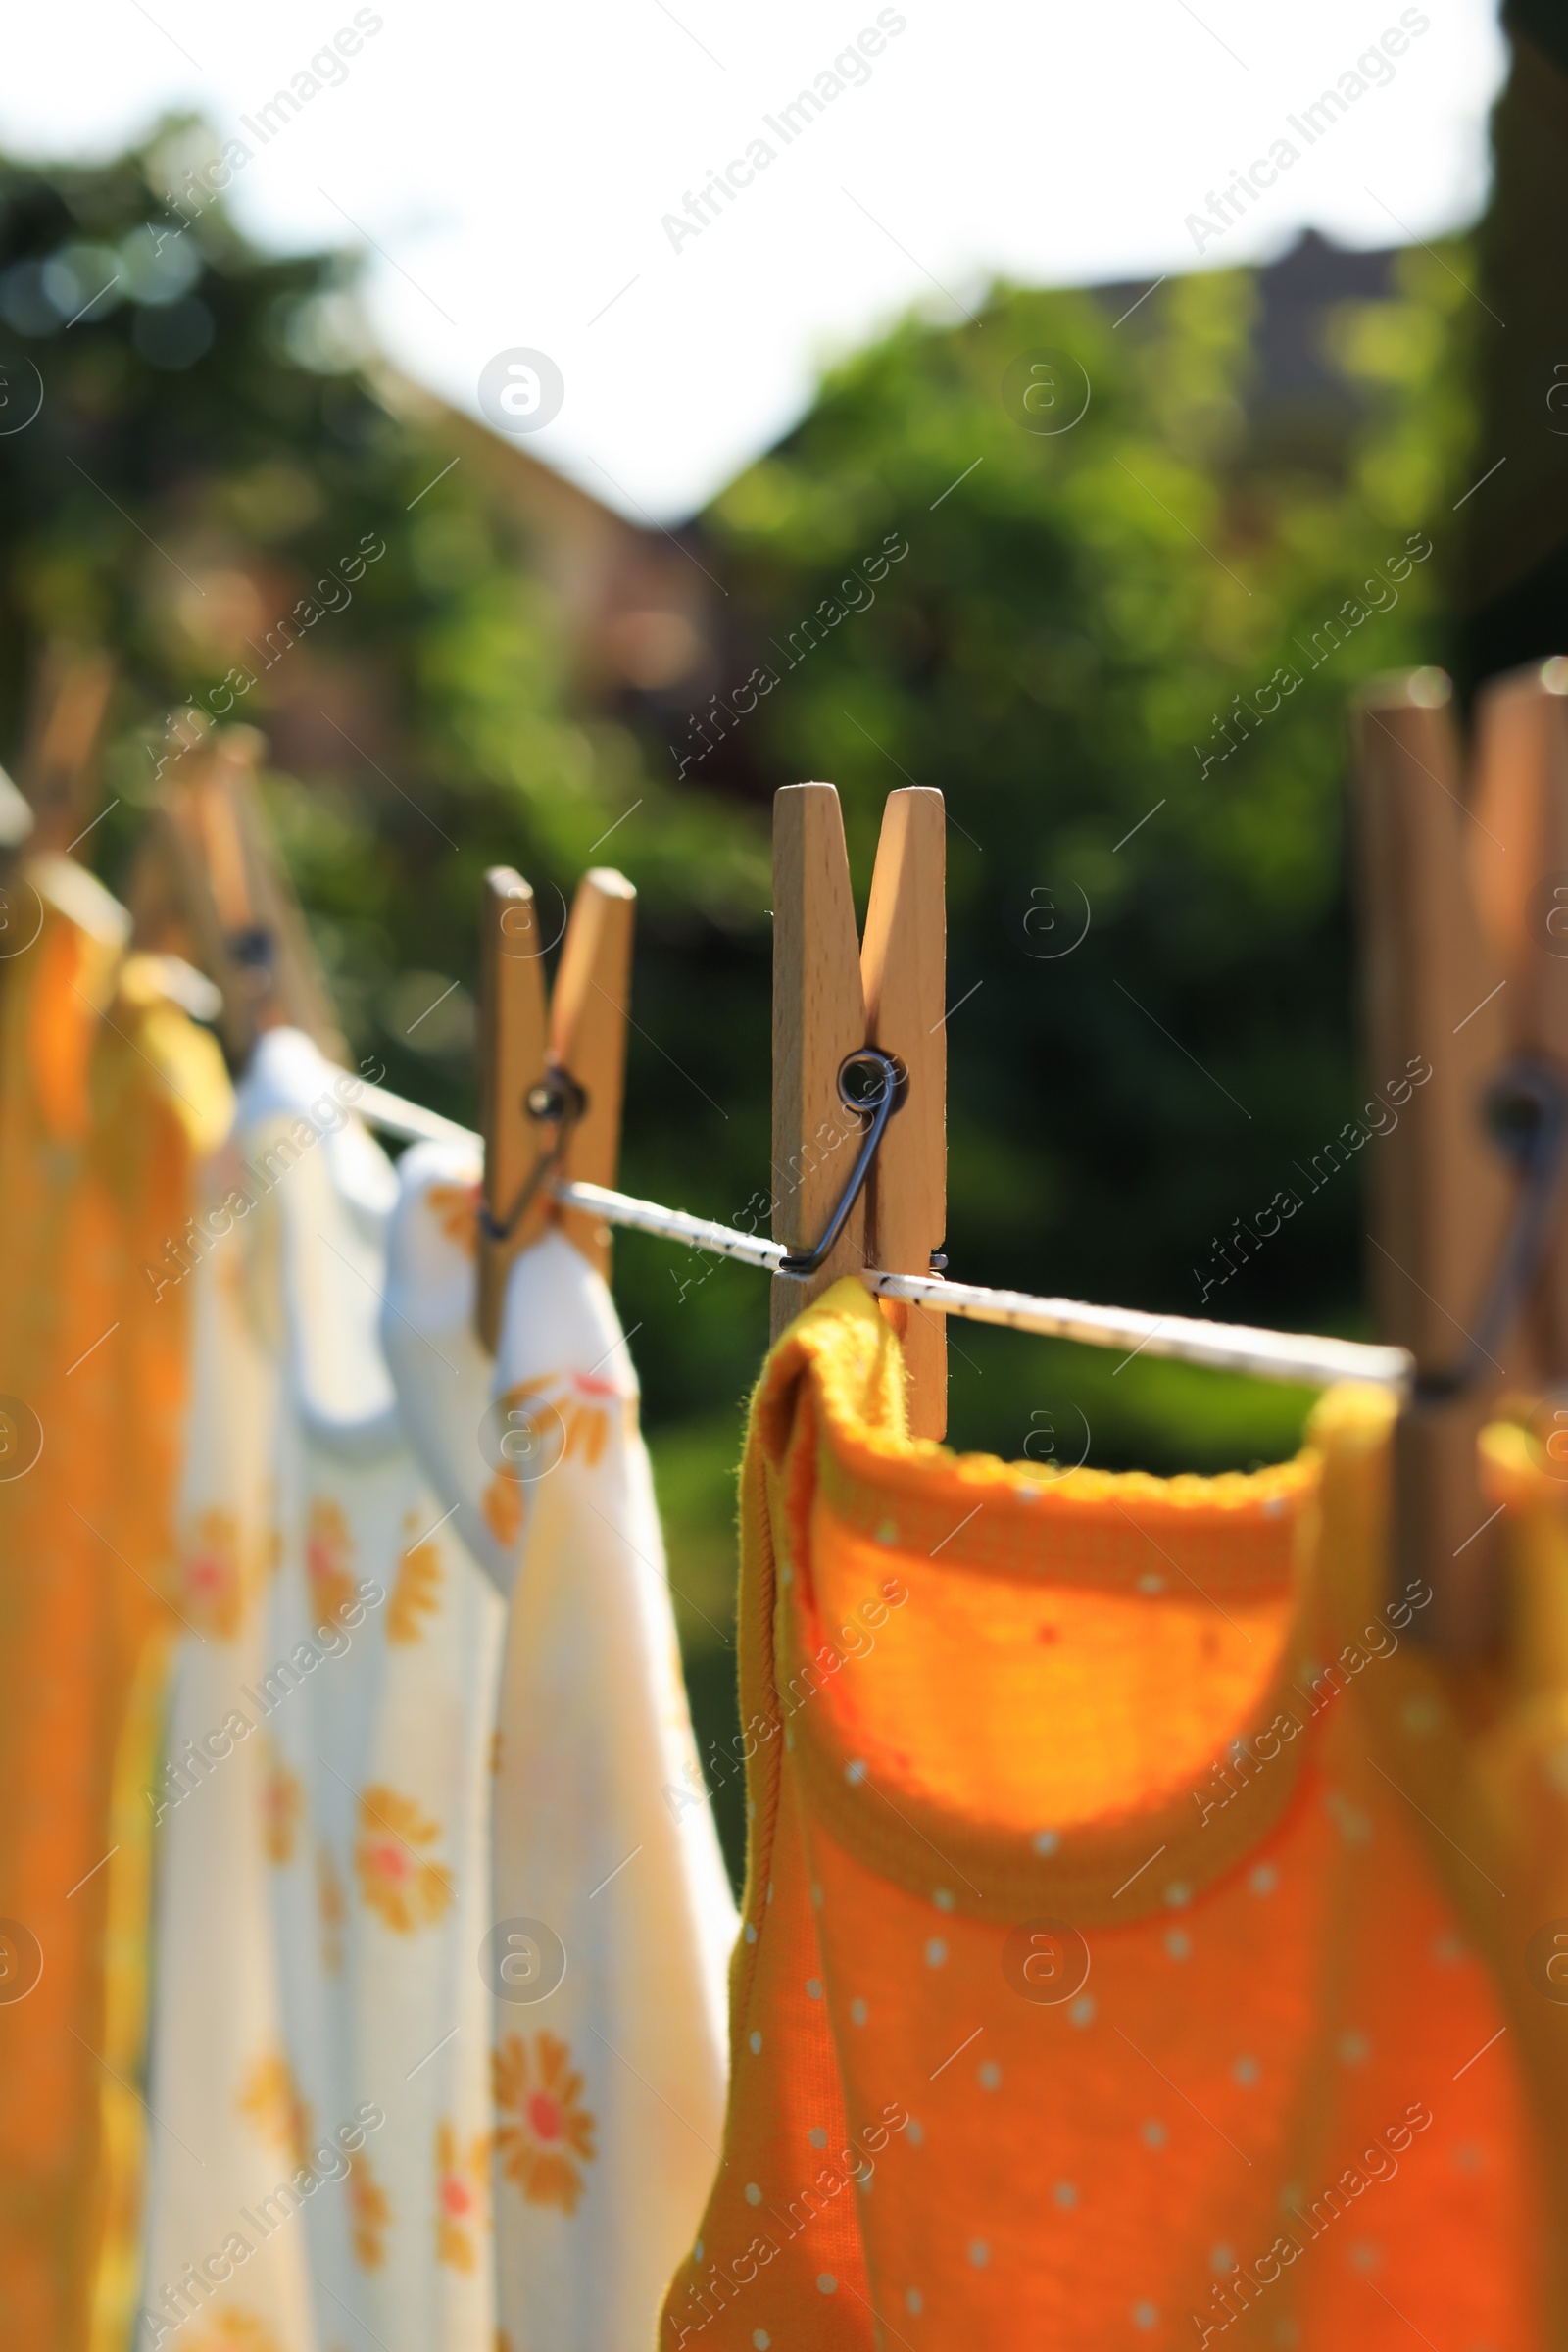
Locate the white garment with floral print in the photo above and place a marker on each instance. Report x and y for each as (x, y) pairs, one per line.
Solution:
(614, 1919)
(368, 1672)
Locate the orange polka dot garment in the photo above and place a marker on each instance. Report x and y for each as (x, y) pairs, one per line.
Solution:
(1095, 1988)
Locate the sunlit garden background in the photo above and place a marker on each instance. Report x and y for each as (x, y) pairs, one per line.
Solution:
(1085, 643)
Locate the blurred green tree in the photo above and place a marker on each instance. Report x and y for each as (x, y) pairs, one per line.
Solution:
(1123, 650)
(220, 487)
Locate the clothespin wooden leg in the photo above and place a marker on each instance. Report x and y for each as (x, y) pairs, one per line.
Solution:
(904, 974)
(524, 1055)
(588, 1040)
(1519, 858)
(293, 988)
(832, 997)
(1441, 1194)
(511, 1032)
(209, 885)
(70, 694)
(819, 1018)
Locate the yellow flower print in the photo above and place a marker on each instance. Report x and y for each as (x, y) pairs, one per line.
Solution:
(406, 1889)
(211, 1586)
(502, 1504)
(416, 1592)
(329, 1561)
(545, 1421)
(369, 2213)
(587, 1412)
(544, 2126)
(461, 2186)
(283, 1804)
(230, 2330)
(456, 1209)
(271, 2099)
(330, 1905)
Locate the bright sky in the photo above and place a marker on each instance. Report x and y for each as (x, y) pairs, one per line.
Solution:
(514, 168)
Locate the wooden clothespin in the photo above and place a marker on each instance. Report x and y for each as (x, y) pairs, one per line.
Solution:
(832, 995)
(210, 886)
(58, 769)
(551, 1075)
(1465, 964)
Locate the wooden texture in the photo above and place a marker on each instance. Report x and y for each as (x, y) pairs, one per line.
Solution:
(1519, 855)
(588, 1013)
(524, 1046)
(830, 996)
(818, 1017)
(173, 912)
(294, 989)
(1440, 1193)
(903, 976)
(208, 882)
(59, 764)
(512, 1059)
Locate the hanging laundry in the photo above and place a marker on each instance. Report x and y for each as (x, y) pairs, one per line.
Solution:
(613, 1919)
(107, 1092)
(1479, 1753)
(1094, 1986)
(334, 2083)
(217, 2031)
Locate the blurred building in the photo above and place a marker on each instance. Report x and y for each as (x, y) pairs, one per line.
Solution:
(636, 606)
(645, 609)
(1301, 410)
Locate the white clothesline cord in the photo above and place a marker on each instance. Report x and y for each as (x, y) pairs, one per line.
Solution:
(1224, 1347)
(1227, 1347)
(673, 1224)
(410, 1122)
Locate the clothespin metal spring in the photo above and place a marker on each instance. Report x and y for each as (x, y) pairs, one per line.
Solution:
(890, 1087)
(1525, 1115)
(558, 1098)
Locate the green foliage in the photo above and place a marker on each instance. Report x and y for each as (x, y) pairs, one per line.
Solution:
(1072, 650)
(217, 489)
(1071, 647)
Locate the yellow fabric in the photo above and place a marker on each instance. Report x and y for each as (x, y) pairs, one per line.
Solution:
(103, 1100)
(1094, 1984)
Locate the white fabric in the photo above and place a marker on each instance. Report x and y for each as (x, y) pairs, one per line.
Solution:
(442, 1373)
(334, 1995)
(611, 2088)
(216, 2024)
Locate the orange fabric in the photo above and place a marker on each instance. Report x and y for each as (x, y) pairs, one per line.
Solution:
(98, 1120)
(1095, 1986)
(1482, 1752)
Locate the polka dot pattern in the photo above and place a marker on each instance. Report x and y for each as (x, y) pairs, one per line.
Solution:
(1117, 2155)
